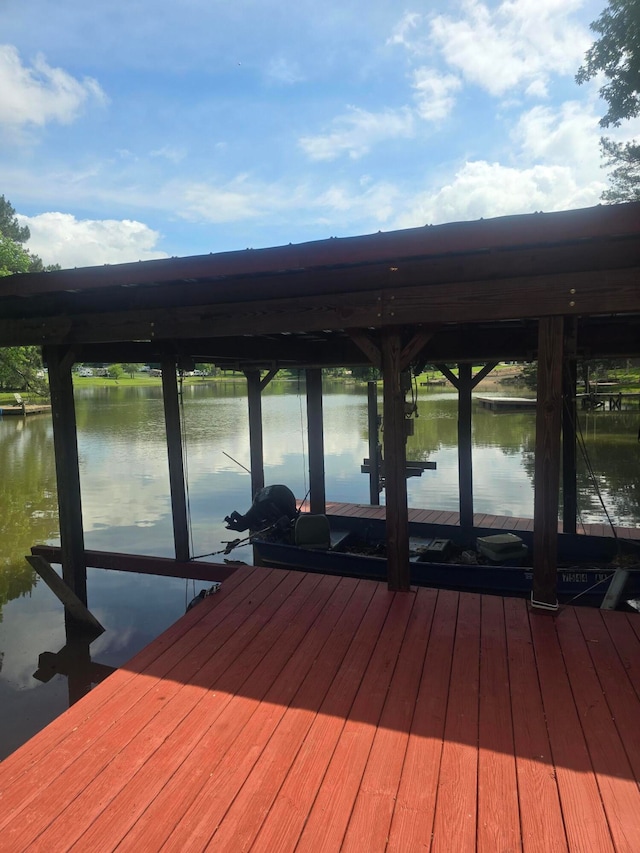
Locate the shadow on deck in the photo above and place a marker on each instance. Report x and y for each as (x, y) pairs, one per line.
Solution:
(295, 711)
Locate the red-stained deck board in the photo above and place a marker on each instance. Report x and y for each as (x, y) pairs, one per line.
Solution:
(618, 789)
(307, 712)
(246, 814)
(299, 790)
(499, 826)
(116, 754)
(412, 822)
(228, 780)
(226, 722)
(66, 739)
(331, 811)
(181, 724)
(542, 826)
(584, 818)
(373, 809)
(456, 804)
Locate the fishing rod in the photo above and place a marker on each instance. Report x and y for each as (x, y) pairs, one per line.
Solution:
(244, 467)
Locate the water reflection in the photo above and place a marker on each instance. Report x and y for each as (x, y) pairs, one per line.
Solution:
(126, 505)
(74, 662)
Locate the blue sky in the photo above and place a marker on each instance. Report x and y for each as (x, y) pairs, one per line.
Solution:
(134, 130)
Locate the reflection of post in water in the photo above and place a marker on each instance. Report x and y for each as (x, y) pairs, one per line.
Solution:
(73, 661)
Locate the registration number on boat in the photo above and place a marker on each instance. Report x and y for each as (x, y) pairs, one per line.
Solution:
(584, 577)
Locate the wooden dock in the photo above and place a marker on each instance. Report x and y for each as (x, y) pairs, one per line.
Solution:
(506, 404)
(498, 522)
(307, 712)
(25, 410)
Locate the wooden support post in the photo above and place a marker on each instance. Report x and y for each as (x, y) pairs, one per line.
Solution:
(465, 382)
(256, 449)
(176, 463)
(465, 464)
(569, 423)
(395, 459)
(59, 362)
(315, 430)
(547, 463)
(374, 455)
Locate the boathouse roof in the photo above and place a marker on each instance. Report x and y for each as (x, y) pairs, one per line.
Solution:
(476, 287)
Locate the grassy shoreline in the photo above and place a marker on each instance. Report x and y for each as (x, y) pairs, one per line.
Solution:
(628, 383)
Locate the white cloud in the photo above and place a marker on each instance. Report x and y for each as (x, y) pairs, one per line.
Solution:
(566, 136)
(404, 31)
(434, 93)
(60, 238)
(481, 189)
(515, 45)
(39, 94)
(357, 131)
(520, 43)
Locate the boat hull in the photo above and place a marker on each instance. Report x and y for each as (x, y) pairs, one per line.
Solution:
(582, 562)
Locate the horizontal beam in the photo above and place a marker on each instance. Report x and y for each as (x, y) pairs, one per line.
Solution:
(596, 292)
(145, 565)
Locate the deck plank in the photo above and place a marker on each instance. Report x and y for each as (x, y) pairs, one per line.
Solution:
(297, 711)
(331, 811)
(226, 781)
(248, 811)
(299, 790)
(412, 822)
(542, 825)
(228, 709)
(71, 735)
(456, 804)
(370, 820)
(618, 789)
(498, 810)
(584, 817)
(73, 798)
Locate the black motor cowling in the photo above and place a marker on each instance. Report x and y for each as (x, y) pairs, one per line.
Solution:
(269, 506)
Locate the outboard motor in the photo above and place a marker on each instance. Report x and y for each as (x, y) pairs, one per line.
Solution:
(269, 506)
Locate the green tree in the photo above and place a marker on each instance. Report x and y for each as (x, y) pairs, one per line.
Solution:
(115, 371)
(624, 158)
(616, 54)
(13, 258)
(131, 368)
(9, 225)
(20, 367)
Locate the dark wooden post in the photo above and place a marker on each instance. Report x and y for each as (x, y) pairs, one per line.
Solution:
(465, 464)
(547, 463)
(395, 456)
(176, 462)
(59, 361)
(569, 423)
(315, 429)
(374, 457)
(256, 448)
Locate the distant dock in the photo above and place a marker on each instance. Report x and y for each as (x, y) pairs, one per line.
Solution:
(506, 404)
(25, 409)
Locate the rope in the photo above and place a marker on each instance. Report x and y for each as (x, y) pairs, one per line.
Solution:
(580, 440)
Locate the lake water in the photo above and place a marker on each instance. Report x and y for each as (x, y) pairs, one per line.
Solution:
(126, 505)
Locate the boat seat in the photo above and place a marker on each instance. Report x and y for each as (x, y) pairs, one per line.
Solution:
(312, 531)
